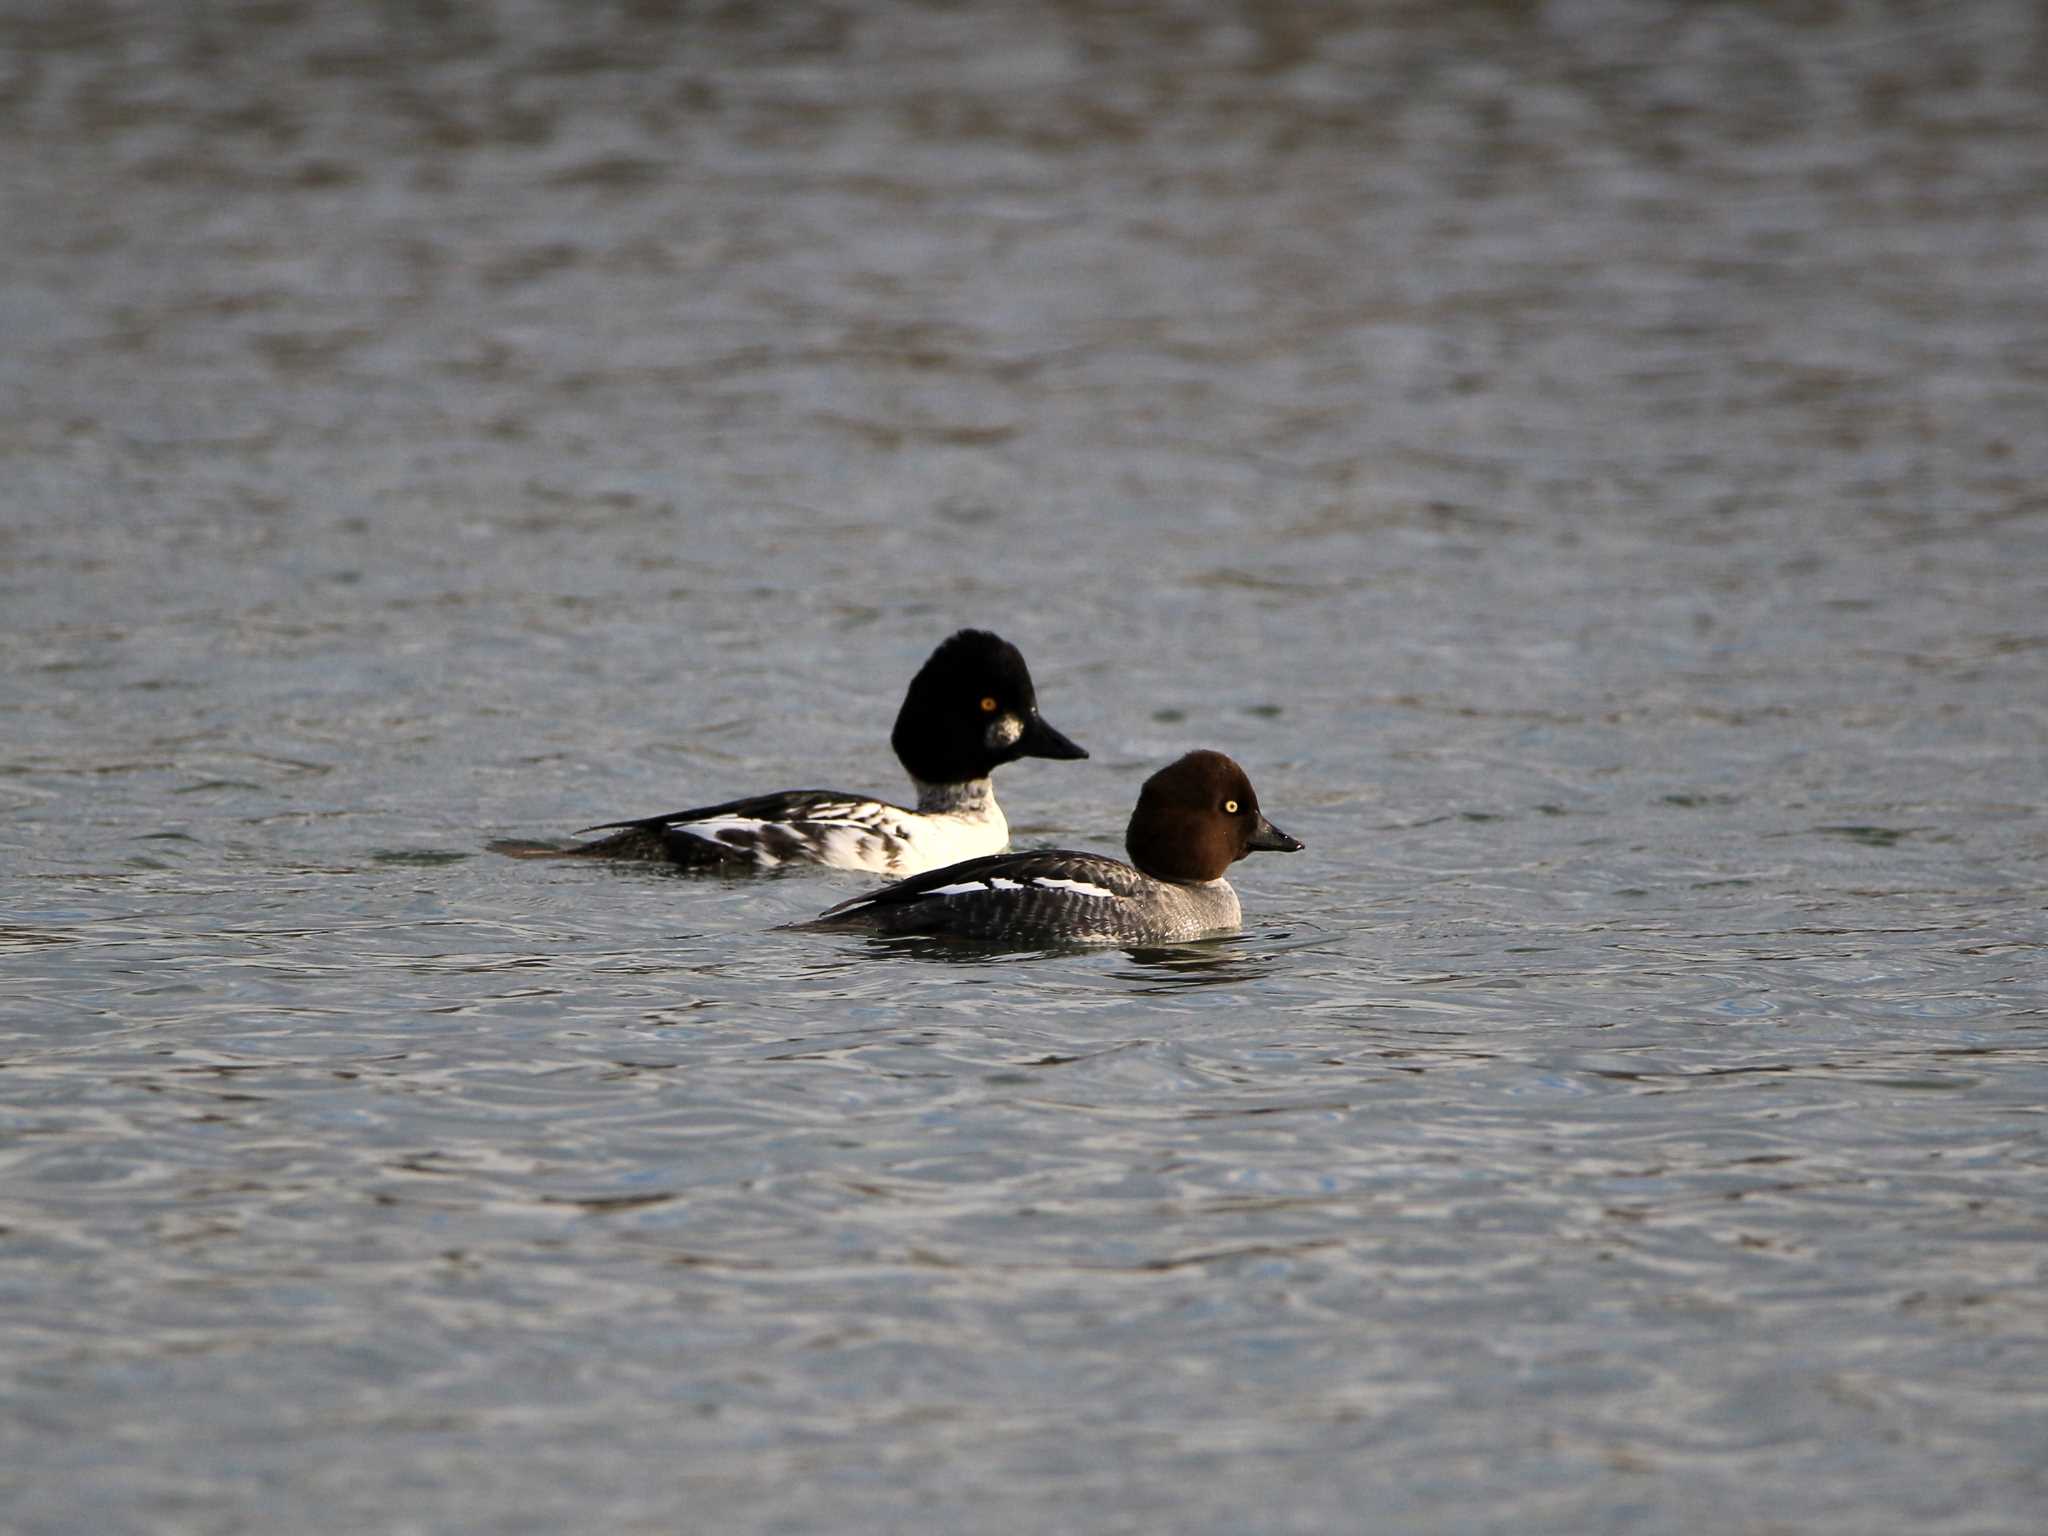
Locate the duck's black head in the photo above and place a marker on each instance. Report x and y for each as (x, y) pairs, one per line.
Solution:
(970, 709)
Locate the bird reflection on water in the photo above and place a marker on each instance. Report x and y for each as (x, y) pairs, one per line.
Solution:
(1224, 960)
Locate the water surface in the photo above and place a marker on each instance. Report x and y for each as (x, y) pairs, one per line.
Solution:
(1584, 460)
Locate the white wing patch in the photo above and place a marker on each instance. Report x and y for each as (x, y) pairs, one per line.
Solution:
(872, 841)
(854, 846)
(860, 834)
(976, 887)
(993, 883)
(1079, 887)
(735, 832)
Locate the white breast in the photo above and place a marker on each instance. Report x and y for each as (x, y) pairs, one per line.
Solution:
(936, 841)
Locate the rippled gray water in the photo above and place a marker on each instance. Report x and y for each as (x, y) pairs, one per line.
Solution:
(1587, 461)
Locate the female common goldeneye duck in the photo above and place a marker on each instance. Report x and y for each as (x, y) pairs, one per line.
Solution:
(970, 709)
(1195, 818)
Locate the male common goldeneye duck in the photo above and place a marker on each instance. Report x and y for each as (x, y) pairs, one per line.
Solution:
(970, 709)
(1195, 818)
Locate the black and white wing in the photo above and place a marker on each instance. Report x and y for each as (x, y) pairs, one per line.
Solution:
(1056, 896)
(794, 826)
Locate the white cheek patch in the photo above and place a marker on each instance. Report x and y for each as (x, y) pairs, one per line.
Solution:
(1004, 732)
(1078, 887)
